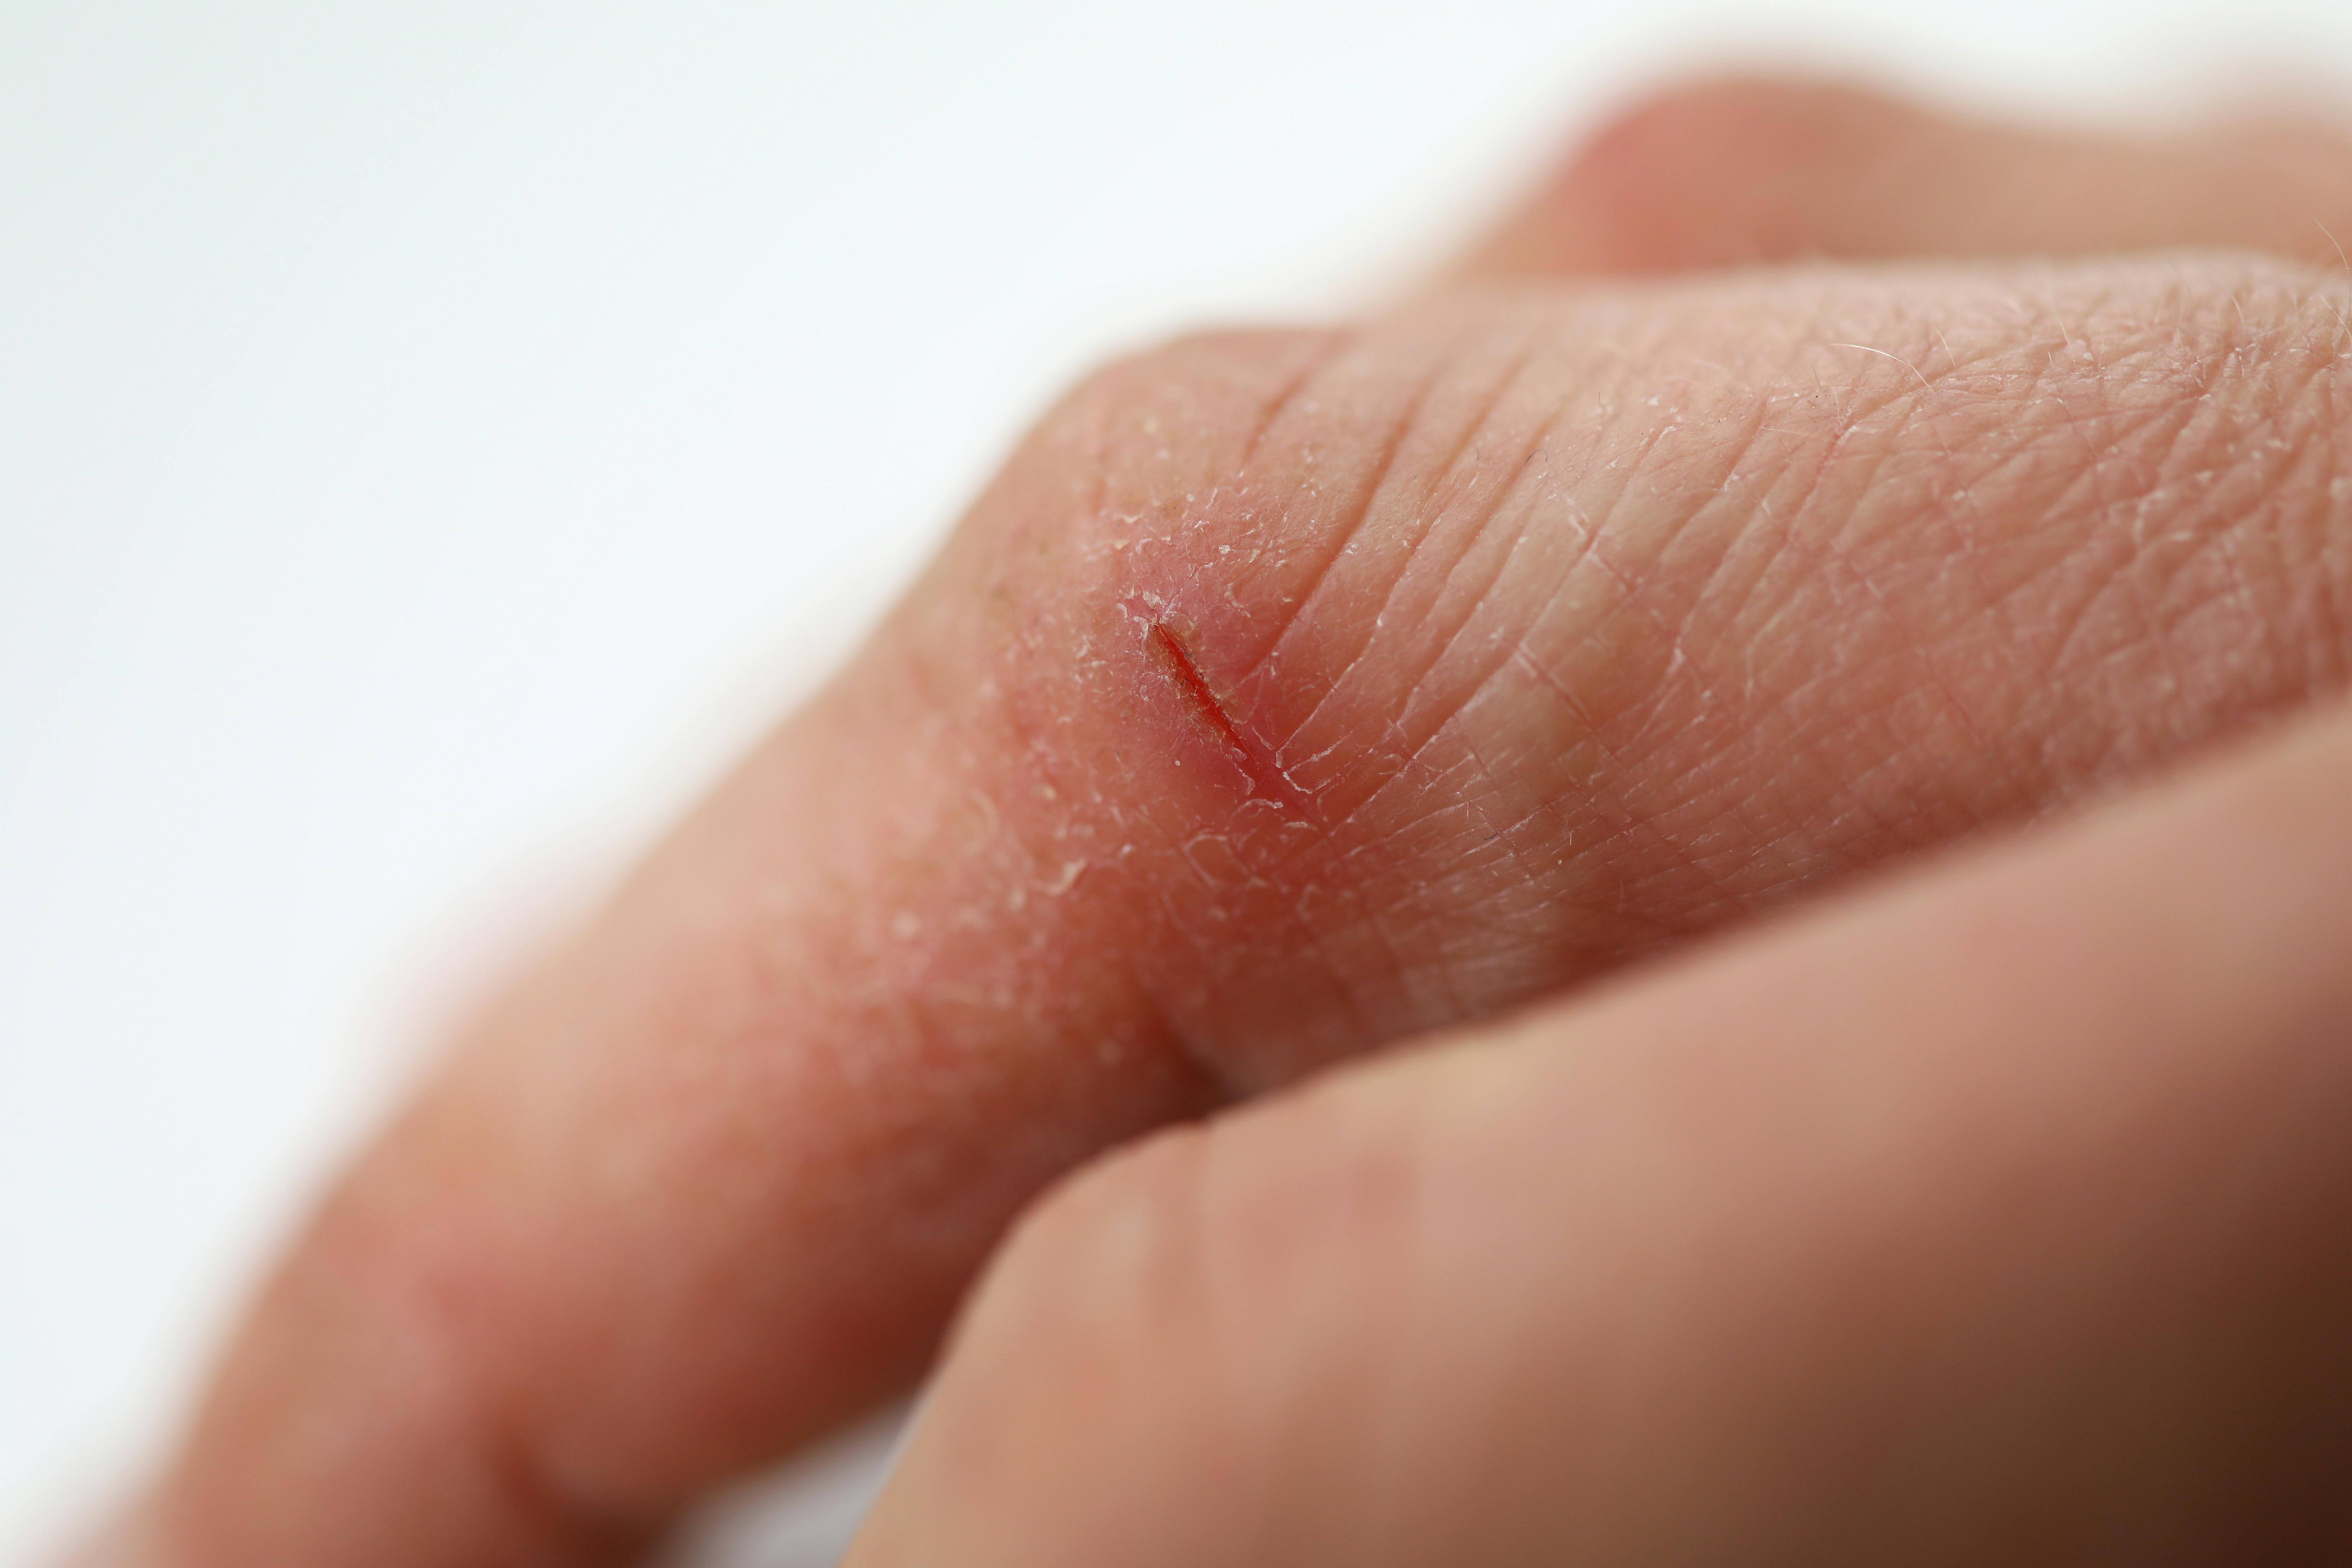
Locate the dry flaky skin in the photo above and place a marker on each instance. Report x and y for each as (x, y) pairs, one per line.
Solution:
(1287, 695)
(1607, 615)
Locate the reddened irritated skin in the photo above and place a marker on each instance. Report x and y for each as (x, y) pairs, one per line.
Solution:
(1541, 628)
(1289, 695)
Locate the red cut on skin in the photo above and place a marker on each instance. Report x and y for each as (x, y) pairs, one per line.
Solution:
(1263, 767)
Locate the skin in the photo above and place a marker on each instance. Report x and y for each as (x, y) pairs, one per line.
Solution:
(1817, 1250)
(1292, 695)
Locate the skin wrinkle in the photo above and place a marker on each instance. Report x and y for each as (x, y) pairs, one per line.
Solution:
(1507, 497)
(2309, 472)
(1413, 548)
(1676, 619)
(1624, 826)
(2327, 586)
(1482, 421)
(1969, 554)
(2109, 577)
(1356, 514)
(1854, 793)
(1504, 840)
(1697, 667)
(1932, 650)
(1412, 979)
(2224, 530)
(1722, 545)
(1339, 681)
(1471, 798)
(1881, 421)
(1374, 916)
(1577, 884)
(1438, 717)
(1666, 619)
(1514, 651)
(2243, 603)
(1337, 345)
(1446, 480)
(2066, 619)
(1896, 741)
(1538, 810)
(2070, 617)
(1596, 512)
(2314, 458)
(1171, 919)
(1453, 999)
(1367, 918)
(2165, 623)
(1776, 532)
(2142, 579)
(1695, 803)
(1890, 813)
(1588, 729)
(1520, 912)
(1689, 818)
(1414, 771)
(1962, 515)
(1156, 1036)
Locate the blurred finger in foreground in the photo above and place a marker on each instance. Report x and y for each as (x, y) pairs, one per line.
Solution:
(1744, 173)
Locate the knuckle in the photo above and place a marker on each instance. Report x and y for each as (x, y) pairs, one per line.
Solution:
(1407, 673)
(1240, 1254)
(1202, 1298)
(1106, 1256)
(1141, 435)
(1087, 1322)
(1115, 472)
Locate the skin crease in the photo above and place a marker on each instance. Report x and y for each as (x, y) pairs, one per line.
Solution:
(1288, 695)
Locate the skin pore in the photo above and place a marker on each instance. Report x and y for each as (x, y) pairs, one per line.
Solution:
(1718, 534)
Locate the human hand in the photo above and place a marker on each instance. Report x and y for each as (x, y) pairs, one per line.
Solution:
(1296, 694)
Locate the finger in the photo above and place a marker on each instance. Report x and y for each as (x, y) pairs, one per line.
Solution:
(1999, 1216)
(1287, 695)
(1731, 174)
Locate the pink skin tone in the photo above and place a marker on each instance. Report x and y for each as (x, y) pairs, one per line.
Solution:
(1812, 1248)
(1289, 695)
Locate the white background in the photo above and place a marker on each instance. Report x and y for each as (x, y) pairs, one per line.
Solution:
(434, 435)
